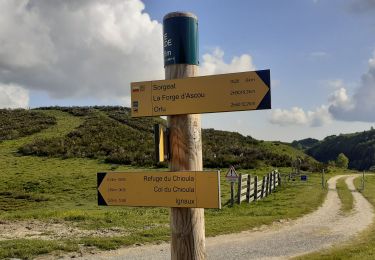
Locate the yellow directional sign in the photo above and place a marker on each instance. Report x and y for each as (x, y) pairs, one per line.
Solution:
(207, 94)
(161, 143)
(164, 189)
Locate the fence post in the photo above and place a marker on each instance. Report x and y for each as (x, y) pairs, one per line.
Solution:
(267, 184)
(255, 188)
(263, 184)
(363, 180)
(248, 188)
(232, 193)
(274, 179)
(270, 183)
(239, 186)
(279, 178)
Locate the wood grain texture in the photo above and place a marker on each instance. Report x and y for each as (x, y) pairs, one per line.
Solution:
(185, 137)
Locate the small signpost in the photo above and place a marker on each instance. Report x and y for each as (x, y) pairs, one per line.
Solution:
(303, 177)
(182, 97)
(232, 177)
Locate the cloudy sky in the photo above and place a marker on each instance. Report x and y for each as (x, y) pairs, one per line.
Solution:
(321, 54)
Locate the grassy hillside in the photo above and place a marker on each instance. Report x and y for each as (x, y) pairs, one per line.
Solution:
(18, 123)
(62, 191)
(110, 134)
(358, 147)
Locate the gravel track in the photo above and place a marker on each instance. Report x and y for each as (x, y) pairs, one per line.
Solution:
(321, 229)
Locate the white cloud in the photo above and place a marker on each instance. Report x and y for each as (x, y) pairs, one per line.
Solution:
(285, 117)
(319, 117)
(361, 105)
(87, 49)
(341, 106)
(340, 98)
(213, 63)
(297, 116)
(78, 48)
(13, 96)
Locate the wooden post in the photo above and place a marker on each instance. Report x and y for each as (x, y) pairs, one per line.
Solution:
(255, 188)
(239, 187)
(270, 183)
(267, 184)
(263, 186)
(232, 193)
(274, 179)
(248, 188)
(279, 178)
(185, 138)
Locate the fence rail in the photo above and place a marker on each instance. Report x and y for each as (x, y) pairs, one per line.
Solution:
(251, 189)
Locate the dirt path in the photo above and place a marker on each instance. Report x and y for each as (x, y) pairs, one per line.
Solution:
(325, 227)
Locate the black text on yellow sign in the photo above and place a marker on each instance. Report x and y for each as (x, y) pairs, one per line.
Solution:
(199, 189)
(208, 94)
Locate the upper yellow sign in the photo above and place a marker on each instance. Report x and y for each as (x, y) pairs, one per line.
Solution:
(207, 94)
(164, 189)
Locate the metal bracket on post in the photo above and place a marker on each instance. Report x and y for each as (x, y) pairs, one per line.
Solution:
(161, 137)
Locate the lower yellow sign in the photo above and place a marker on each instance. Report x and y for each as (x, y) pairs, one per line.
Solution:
(164, 189)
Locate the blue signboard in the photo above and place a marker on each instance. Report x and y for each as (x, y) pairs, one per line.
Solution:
(303, 177)
(180, 40)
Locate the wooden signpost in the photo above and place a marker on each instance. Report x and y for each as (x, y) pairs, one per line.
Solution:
(180, 33)
(182, 96)
(218, 93)
(160, 189)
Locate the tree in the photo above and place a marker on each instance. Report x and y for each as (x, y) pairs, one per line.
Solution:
(342, 161)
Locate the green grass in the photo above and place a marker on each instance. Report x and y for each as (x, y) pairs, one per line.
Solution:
(64, 191)
(362, 247)
(345, 196)
(28, 248)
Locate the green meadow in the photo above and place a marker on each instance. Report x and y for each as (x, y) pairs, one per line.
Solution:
(63, 191)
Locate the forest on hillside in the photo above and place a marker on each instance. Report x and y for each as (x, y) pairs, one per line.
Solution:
(358, 147)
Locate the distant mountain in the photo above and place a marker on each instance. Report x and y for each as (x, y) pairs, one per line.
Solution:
(358, 147)
(304, 143)
(110, 134)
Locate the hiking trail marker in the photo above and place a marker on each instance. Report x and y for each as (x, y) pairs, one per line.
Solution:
(160, 189)
(182, 96)
(207, 94)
